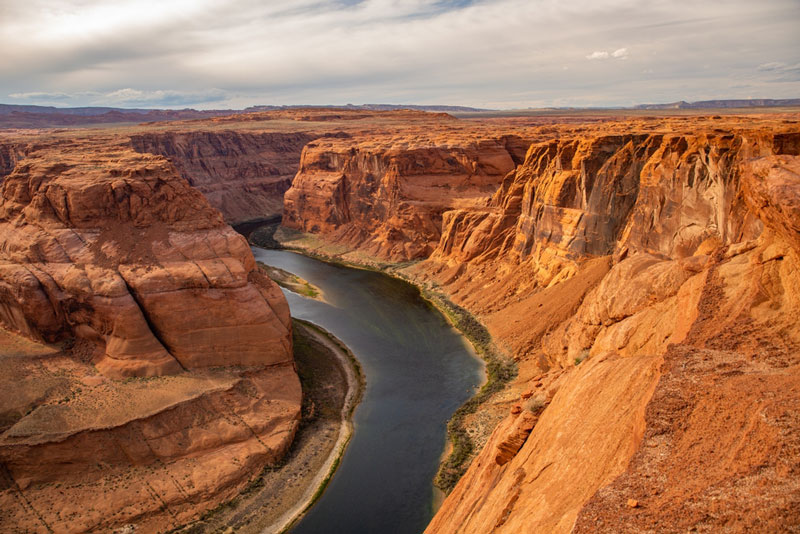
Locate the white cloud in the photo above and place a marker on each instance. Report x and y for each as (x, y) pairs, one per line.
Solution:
(126, 97)
(780, 72)
(598, 55)
(619, 53)
(40, 96)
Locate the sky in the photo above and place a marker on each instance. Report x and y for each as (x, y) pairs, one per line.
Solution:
(499, 54)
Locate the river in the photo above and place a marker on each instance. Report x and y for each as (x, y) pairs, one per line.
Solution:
(418, 370)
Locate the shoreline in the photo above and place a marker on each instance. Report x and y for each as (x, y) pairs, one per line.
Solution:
(355, 390)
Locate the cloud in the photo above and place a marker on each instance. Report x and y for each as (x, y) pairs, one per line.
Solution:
(126, 97)
(40, 96)
(233, 53)
(781, 72)
(161, 97)
(598, 55)
(619, 53)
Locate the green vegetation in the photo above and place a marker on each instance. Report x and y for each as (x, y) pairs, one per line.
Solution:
(499, 371)
(290, 281)
(535, 405)
(583, 356)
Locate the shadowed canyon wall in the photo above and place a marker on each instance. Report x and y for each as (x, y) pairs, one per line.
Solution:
(242, 174)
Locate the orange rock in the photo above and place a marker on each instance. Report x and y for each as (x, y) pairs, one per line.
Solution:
(633, 503)
(387, 198)
(113, 251)
(516, 409)
(93, 380)
(119, 250)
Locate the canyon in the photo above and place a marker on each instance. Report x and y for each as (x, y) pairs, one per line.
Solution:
(640, 271)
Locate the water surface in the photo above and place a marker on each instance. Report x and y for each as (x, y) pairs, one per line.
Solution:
(419, 370)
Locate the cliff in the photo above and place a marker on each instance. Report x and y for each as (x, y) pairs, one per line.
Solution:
(10, 154)
(385, 195)
(656, 384)
(242, 174)
(112, 266)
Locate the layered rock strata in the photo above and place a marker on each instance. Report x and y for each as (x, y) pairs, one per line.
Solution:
(685, 353)
(386, 196)
(242, 174)
(114, 258)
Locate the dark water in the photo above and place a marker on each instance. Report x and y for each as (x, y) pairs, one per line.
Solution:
(419, 370)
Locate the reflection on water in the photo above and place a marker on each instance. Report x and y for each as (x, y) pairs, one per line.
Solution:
(419, 370)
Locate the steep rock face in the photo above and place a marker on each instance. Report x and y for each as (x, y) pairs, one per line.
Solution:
(113, 255)
(242, 174)
(121, 251)
(386, 197)
(721, 428)
(667, 195)
(699, 304)
(10, 154)
(600, 194)
(574, 447)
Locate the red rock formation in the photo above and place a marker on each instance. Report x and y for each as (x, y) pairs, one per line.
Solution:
(242, 174)
(386, 196)
(116, 248)
(10, 154)
(665, 195)
(113, 254)
(700, 292)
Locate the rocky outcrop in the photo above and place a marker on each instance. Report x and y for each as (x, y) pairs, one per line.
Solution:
(698, 308)
(386, 197)
(574, 447)
(242, 174)
(117, 249)
(95, 455)
(118, 268)
(669, 196)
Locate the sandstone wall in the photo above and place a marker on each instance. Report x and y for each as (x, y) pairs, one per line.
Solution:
(242, 174)
(116, 248)
(673, 352)
(10, 154)
(386, 196)
(644, 276)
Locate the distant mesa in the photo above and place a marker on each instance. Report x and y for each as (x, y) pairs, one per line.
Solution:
(722, 104)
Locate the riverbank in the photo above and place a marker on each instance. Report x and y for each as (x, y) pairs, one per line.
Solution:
(467, 431)
(275, 499)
